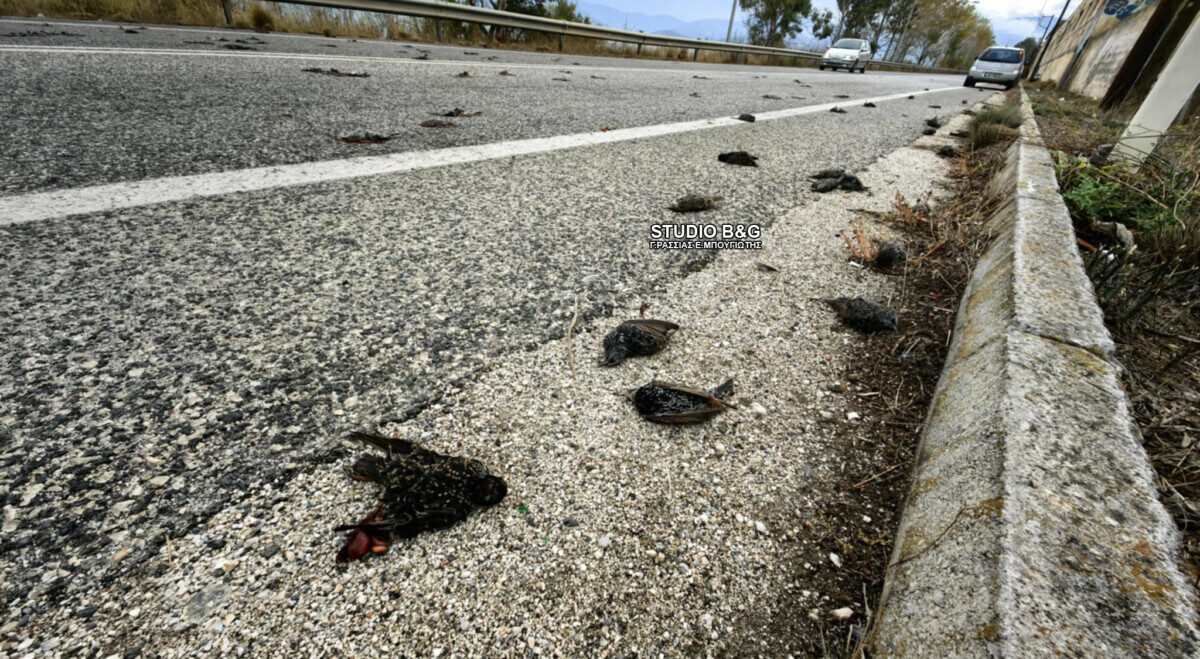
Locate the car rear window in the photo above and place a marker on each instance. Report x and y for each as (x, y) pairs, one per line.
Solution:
(853, 44)
(1001, 55)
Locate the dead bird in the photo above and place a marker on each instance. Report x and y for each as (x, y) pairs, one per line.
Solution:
(825, 185)
(694, 203)
(700, 77)
(336, 73)
(837, 110)
(929, 131)
(457, 112)
(863, 315)
(935, 122)
(827, 180)
(911, 97)
(663, 402)
(365, 138)
(636, 338)
(868, 104)
(423, 491)
(763, 267)
(947, 151)
(829, 173)
(936, 107)
(746, 117)
(438, 123)
(890, 253)
(738, 158)
(506, 74)
(464, 74)
(772, 97)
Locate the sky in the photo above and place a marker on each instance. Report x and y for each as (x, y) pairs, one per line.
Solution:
(1012, 20)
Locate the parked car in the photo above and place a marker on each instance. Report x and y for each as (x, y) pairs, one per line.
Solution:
(849, 54)
(998, 65)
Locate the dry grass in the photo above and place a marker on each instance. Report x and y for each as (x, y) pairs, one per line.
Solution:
(262, 19)
(861, 244)
(284, 17)
(905, 367)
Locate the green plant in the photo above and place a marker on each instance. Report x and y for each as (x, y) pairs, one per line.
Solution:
(1110, 193)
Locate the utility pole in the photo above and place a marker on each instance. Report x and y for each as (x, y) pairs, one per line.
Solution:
(1175, 86)
(1045, 44)
(732, 13)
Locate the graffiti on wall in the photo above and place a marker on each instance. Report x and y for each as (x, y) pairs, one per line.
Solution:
(1122, 9)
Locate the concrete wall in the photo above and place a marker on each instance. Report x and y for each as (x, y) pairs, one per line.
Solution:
(1032, 526)
(1114, 27)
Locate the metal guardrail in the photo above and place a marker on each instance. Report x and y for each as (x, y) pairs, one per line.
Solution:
(469, 14)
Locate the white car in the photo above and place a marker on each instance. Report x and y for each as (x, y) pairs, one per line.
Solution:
(997, 65)
(849, 54)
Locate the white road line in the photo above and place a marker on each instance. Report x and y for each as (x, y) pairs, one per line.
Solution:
(19, 209)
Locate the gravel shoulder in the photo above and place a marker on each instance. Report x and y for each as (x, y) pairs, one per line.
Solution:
(618, 536)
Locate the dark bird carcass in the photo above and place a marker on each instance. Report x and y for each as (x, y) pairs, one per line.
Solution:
(423, 491)
(663, 402)
(636, 338)
(864, 315)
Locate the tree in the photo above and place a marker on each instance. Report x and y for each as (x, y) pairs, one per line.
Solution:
(1030, 46)
(772, 21)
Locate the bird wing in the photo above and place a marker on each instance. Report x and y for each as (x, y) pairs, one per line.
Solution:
(393, 445)
(656, 327)
(723, 391)
(697, 415)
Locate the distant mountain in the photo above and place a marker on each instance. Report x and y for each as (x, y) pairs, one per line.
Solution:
(708, 28)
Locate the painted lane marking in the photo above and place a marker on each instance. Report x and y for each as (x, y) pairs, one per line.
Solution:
(37, 206)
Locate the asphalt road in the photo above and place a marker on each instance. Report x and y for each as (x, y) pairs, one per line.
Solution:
(157, 362)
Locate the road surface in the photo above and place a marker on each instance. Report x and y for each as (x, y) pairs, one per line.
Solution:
(203, 289)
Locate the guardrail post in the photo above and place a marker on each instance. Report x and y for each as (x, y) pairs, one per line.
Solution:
(437, 28)
(769, 58)
(228, 15)
(560, 43)
(695, 54)
(737, 58)
(639, 49)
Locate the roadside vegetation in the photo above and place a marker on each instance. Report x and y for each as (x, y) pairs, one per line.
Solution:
(768, 23)
(1139, 235)
(943, 242)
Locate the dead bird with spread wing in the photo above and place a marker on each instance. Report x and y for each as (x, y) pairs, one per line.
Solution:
(663, 402)
(423, 491)
(636, 338)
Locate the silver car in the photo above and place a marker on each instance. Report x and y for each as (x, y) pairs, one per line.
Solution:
(997, 65)
(849, 54)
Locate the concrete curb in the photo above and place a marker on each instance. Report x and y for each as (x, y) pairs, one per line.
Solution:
(1033, 525)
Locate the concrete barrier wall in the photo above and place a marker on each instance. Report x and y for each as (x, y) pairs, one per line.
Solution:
(1032, 526)
(1108, 30)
